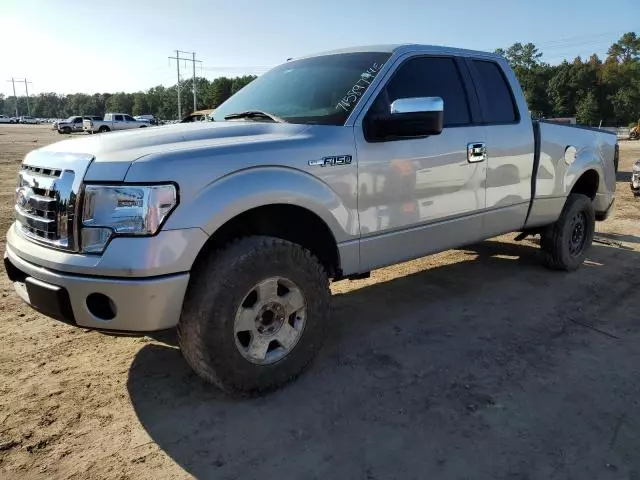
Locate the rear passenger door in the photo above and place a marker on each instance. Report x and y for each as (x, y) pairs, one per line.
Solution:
(118, 122)
(420, 195)
(509, 140)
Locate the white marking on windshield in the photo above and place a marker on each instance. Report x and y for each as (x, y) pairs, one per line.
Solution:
(347, 102)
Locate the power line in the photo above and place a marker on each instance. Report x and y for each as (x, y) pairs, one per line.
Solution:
(193, 61)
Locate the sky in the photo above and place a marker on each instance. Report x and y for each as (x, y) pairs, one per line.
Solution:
(124, 45)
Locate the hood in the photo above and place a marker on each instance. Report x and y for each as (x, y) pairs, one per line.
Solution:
(130, 145)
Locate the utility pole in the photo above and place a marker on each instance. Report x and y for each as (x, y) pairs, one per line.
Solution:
(27, 90)
(193, 61)
(177, 59)
(13, 82)
(15, 97)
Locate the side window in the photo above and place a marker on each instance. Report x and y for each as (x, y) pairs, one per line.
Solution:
(432, 77)
(118, 118)
(77, 120)
(496, 99)
(128, 118)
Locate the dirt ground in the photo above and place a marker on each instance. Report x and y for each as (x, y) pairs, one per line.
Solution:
(475, 363)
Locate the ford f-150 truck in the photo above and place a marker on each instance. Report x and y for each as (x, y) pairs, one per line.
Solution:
(113, 121)
(325, 167)
(74, 124)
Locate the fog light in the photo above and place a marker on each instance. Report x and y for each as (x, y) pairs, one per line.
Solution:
(101, 306)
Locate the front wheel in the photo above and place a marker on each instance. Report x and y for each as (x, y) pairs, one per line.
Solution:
(254, 314)
(103, 129)
(566, 242)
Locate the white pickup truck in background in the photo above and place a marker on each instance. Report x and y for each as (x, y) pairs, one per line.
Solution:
(113, 121)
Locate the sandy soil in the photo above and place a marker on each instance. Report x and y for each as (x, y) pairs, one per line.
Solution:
(475, 363)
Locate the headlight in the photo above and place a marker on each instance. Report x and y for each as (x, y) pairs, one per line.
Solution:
(132, 210)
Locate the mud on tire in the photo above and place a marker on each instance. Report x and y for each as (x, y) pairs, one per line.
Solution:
(566, 242)
(222, 284)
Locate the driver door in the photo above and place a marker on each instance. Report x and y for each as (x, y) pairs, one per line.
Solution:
(420, 195)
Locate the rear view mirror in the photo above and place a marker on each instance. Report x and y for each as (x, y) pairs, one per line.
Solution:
(408, 118)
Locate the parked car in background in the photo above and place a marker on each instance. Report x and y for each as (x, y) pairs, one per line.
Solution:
(150, 118)
(635, 179)
(5, 119)
(28, 119)
(113, 121)
(75, 124)
(198, 116)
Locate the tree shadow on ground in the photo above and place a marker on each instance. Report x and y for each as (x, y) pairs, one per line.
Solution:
(620, 237)
(416, 372)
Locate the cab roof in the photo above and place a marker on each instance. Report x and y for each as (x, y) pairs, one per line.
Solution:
(403, 48)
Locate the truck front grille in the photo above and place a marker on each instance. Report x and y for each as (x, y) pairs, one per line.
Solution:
(45, 205)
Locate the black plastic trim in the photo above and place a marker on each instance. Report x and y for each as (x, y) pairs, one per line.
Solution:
(50, 300)
(536, 165)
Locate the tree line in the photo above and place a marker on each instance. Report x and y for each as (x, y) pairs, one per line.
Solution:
(596, 91)
(159, 101)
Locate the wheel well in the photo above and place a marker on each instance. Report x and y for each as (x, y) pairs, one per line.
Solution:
(587, 184)
(288, 222)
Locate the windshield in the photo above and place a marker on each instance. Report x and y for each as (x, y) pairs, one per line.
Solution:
(321, 90)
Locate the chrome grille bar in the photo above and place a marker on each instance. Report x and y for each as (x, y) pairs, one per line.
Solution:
(49, 184)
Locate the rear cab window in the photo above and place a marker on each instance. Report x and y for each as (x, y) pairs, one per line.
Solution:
(494, 93)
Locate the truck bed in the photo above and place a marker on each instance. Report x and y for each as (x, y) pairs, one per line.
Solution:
(552, 173)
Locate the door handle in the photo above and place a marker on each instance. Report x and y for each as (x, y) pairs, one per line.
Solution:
(476, 152)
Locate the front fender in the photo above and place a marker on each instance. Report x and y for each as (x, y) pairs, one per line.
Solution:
(238, 192)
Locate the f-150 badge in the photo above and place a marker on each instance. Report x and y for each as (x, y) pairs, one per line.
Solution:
(331, 161)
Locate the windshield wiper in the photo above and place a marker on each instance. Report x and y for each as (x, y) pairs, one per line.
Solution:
(251, 114)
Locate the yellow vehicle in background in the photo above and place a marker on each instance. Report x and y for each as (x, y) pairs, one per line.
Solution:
(634, 134)
(198, 116)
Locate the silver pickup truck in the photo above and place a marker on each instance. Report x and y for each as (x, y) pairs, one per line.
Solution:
(326, 167)
(113, 121)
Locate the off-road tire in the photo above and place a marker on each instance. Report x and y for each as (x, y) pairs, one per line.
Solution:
(218, 285)
(556, 238)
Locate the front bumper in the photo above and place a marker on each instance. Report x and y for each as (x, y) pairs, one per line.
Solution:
(124, 304)
(136, 285)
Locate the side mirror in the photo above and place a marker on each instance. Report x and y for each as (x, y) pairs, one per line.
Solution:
(408, 118)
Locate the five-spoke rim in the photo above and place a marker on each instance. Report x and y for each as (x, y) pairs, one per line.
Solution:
(270, 320)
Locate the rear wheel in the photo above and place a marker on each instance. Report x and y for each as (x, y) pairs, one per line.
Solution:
(254, 314)
(566, 242)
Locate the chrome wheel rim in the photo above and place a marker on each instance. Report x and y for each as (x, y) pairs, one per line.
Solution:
(270, 321)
